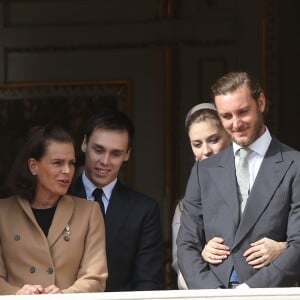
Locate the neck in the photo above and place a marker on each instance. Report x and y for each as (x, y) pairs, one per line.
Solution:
(42, 205)
(44, 202)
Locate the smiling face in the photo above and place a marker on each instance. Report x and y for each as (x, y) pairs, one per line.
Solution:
(207, 138)
(105, 152)
(54, 170)
(241, 115)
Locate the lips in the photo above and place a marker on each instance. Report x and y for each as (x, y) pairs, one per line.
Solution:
(239, 133)
(101, 172)
(64, 182)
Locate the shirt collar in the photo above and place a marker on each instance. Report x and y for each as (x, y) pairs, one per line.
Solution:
(89, 187)
(259, 146)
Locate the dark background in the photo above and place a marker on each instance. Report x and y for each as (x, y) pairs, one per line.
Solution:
(169, 52)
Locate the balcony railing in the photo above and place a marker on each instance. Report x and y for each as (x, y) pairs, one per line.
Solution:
(245, 294)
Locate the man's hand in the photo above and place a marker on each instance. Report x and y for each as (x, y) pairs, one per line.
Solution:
(262, 252)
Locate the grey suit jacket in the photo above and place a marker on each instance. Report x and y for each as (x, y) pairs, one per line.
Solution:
(211, 208)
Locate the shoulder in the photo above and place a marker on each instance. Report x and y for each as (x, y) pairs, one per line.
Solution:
(10, 208)
(216, 159)
(82, 209)
(8, 202)
(82, 213)
(287, 151)
(134, 194)
(81, 203)
(135, 197)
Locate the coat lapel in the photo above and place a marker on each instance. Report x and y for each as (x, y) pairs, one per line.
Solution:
(224, 178)
(28, 211)
(271, 172)
(62, 216)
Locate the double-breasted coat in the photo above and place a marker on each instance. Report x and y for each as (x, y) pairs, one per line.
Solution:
(72, 256)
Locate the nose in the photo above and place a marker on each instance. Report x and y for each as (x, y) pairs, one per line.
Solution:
(66, 168)
(236, 122)
(207, 150)
(105, 159)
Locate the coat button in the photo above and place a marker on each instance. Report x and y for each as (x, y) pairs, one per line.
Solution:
(32, 270)
(50, 270)
(66, 238)
(17, 237)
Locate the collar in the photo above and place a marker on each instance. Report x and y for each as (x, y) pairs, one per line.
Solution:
(89, 187)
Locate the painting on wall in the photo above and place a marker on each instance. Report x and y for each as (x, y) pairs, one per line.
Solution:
(70, 104)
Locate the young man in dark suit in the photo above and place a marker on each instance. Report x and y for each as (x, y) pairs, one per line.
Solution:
(132, 220)
(240, 199)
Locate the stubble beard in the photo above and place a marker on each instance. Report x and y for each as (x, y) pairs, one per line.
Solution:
(256, 132)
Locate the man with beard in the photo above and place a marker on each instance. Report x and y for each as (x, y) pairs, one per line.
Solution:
(238, 200)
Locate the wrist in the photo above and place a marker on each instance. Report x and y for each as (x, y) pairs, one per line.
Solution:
(283, 245)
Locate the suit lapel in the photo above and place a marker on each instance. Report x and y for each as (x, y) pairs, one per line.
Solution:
(62, 216)
(225, 181)
(271, 172)
(117, 211)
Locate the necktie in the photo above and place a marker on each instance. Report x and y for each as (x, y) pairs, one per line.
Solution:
(243, 179)
(243, 176)
(97, 193)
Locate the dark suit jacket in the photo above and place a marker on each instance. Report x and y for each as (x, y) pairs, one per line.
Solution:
(211, 208)
(133, 240)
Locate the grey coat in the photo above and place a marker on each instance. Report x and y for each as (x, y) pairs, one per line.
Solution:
(211, 208)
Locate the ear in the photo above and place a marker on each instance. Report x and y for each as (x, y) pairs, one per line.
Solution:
(83, 144)
(32, 166)
(261, 102)
(126, 158)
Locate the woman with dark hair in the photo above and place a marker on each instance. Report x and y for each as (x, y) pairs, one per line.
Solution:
(207, 137)
(50, 242)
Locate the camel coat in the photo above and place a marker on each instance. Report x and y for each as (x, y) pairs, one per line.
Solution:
(72, 256)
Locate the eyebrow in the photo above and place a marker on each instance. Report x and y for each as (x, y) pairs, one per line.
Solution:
(112, 150)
